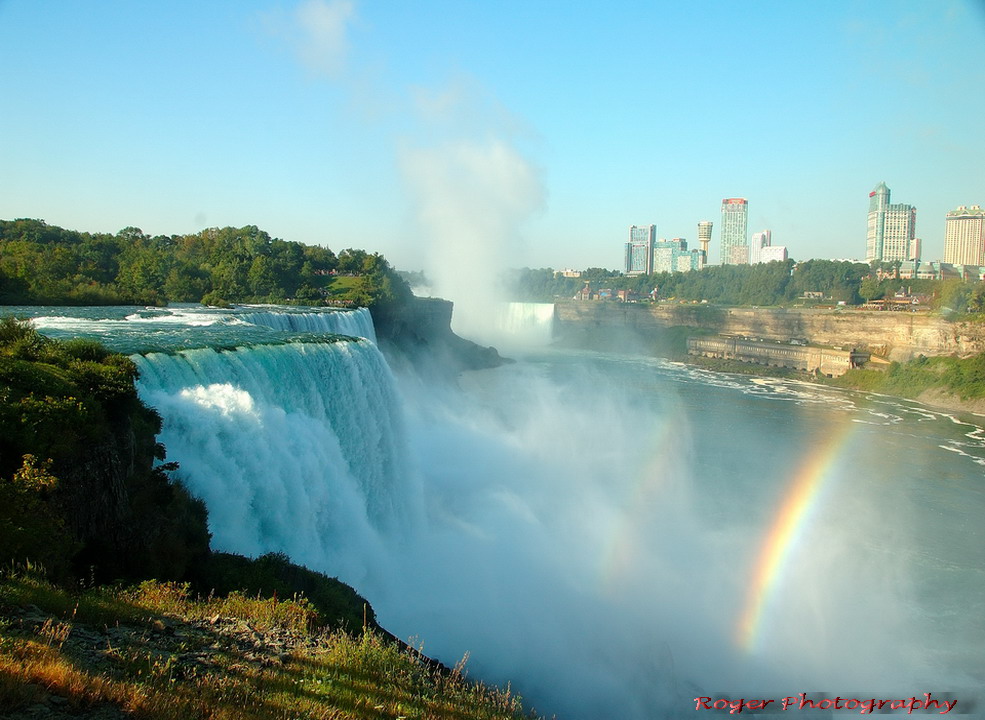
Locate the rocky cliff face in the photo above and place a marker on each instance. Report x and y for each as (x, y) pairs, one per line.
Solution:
(419, 333)
(131, 518)
(898, 336)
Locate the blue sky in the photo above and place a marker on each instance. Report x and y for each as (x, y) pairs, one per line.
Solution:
(516, 132)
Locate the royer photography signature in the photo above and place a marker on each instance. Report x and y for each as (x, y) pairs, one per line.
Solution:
(926, 703)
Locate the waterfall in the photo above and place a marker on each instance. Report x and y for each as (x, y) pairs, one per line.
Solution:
(296, 447)
(525, 323)
(356, 323)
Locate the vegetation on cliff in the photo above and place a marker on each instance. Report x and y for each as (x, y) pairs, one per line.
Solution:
(156, 652)
(41, 264)
(80, 490)
(964, 378)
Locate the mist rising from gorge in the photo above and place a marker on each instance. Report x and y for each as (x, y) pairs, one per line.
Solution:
(585, 527)
(472, 188)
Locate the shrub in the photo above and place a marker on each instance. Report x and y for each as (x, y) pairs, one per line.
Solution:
(32, 525)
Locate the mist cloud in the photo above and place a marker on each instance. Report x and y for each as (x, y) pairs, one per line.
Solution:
(471, 198)
(469, 185)
(472, 189)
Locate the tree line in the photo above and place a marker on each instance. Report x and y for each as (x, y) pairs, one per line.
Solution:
(767, 284)
(42, 264)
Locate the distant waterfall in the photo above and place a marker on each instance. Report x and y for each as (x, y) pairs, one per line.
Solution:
(293, 447)
(526, 323)
(356, 323)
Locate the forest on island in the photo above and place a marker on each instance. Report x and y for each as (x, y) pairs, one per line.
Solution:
(42, 264)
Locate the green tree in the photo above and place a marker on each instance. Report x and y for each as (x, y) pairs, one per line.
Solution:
(143, 267)
(96, 491)
(976, 298)
(871, 289)
(260, 278)
(955, 296)
(186, 283)
(32, 524)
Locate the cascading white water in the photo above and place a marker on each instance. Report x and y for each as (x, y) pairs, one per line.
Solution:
(510, 325)
(356, 323)
(294, 447)
(529, 323)
(183, 326)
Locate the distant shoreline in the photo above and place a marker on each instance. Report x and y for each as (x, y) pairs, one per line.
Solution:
(936, 397)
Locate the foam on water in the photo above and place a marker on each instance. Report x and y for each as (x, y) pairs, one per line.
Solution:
(295, 448)
(133, 330)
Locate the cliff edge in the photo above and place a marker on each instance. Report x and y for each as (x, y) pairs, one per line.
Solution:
(418, 333)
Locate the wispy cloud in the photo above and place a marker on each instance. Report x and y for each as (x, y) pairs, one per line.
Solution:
(323, 26)
(317, 31)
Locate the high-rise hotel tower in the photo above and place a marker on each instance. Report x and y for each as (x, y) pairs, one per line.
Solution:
(760, 241)
(639, 249)
(735, 247)
(891, 230)
(964, 236)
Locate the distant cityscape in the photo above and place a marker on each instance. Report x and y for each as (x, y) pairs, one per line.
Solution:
(890, 238)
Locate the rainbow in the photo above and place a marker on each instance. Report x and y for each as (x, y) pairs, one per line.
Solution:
(793, 518)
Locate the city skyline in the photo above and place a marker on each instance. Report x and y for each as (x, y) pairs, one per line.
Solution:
(489, 136)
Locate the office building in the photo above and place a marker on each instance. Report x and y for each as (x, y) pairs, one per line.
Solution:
(891, 229)
(964, 236)
(735, 246)
(639, 250)
(666, 252)
(690, 260)
(760, 240)
(771, 253)
(673, 256)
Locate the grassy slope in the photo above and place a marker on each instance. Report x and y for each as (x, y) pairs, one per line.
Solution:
(155, 652)
(963, 378)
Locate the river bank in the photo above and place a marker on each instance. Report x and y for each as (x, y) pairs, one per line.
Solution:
(896, 336)
(938, 398)
(920, 346)
(935, 397)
